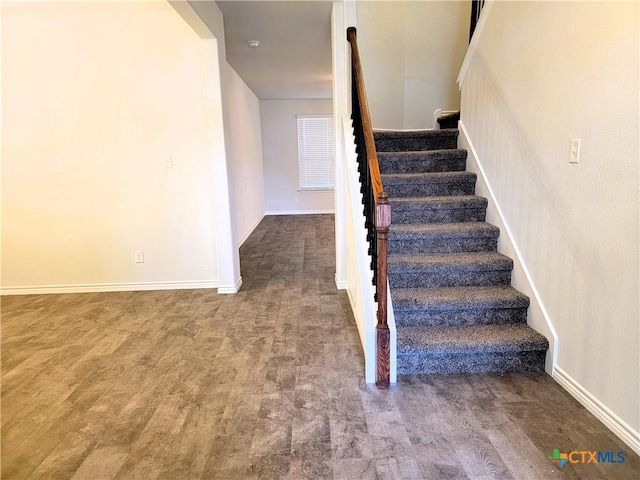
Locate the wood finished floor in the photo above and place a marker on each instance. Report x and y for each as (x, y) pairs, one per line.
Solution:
(267, 383)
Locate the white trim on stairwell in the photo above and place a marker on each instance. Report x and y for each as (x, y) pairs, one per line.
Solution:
(105, 287)
(477, 35)
(618, 426)
(464, 141)
(359, 274)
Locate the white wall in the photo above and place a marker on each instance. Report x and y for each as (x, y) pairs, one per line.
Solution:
(280, 157)
(238, 182)
(94, 106)
(245, 155)
(544, 73)
(411, 53)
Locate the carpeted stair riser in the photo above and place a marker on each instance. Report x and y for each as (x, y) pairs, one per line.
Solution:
(490, 362)
(449, 270)
(440, 245)
(456, 339)
(443, 238)
(489, 316)
(416, 141)
(451, 278)
(438, 209)
(421, 162)
(453, 245)
(429, 184)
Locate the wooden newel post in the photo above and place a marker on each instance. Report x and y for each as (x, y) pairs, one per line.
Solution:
(383, 352)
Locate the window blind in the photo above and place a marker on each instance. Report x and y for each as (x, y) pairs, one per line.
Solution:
(315, 152)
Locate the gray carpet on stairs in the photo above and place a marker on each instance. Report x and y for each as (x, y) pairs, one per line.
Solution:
(447, 160)
(449, 209)
(443, 237)
(431, 184)
(455, 309)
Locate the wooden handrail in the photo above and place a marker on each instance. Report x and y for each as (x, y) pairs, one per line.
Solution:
(376, 203)
(370, 143)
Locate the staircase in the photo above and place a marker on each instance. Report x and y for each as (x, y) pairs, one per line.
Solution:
(454, 306)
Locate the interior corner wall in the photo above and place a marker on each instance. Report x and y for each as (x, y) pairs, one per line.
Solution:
(542, 74)
(245, 155)
(280, 157)
(242, 127)
(207, 20)
(411, 53)
(105, 148)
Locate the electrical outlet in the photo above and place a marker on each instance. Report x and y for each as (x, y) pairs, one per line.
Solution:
(574, 155)
(139, 254)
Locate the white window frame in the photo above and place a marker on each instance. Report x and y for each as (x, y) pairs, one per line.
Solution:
(316, 163)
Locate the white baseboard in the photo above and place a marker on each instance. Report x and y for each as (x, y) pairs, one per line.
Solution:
(301, 212)
(105, 287)
(597, 408)
(230, 289)
(618, 426)
(473, 45)
(341, 284)
(250, 231)
(354, 309)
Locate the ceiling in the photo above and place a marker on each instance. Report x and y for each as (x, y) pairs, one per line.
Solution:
(294, 56)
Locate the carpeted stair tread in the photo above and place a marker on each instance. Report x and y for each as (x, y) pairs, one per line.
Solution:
(415, 140)
(432, 262)
(442, 160)
(453, 298)
(468, 339)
